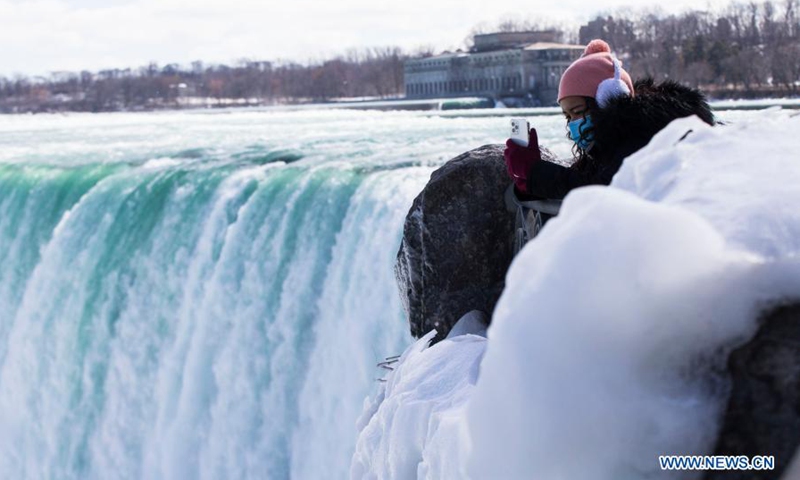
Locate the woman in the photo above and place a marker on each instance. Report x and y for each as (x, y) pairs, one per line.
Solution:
(608, 118)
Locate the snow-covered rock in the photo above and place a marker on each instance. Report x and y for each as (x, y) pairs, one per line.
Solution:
(608, 344)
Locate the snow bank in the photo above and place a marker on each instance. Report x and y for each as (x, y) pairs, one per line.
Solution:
(606, 346)
(415, 426)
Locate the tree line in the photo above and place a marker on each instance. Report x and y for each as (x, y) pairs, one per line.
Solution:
(744, 50)
(373, 72)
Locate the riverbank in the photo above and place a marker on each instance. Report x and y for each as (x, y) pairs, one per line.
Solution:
(477, 106)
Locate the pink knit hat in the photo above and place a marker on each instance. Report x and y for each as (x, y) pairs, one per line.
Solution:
(596, 74)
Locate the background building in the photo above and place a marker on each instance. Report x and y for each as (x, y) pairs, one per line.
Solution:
(523, 65)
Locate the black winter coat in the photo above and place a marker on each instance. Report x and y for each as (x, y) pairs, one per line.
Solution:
(624, 126)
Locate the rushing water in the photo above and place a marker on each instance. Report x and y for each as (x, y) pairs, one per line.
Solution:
(206, 295)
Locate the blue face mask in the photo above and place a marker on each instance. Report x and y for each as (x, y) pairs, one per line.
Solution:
(582, 125)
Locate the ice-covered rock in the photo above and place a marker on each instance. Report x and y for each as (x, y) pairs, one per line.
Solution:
(415, 427)
(457, 242)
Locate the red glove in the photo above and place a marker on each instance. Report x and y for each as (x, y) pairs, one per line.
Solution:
(519, 160)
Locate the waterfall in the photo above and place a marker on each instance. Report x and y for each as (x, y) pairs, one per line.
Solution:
(184, 320)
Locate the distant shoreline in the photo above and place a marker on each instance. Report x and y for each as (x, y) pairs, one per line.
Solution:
(445, 106)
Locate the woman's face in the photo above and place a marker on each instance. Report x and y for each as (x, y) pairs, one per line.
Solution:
(574, 107)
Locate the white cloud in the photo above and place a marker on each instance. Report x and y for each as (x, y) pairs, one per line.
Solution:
(48, 35)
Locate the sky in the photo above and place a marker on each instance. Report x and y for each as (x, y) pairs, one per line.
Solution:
(43, 36)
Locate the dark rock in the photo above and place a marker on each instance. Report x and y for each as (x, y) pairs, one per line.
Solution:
(457, 242)
(763, 414)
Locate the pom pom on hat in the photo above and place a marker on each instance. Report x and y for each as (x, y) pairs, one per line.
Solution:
(596, 46)
(595, 67)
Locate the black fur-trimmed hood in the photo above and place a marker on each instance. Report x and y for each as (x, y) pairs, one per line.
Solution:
(627, 124)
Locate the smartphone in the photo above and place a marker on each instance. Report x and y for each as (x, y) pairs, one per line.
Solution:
(519, 131)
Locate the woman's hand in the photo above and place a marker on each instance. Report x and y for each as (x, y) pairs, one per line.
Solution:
(519, 160)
